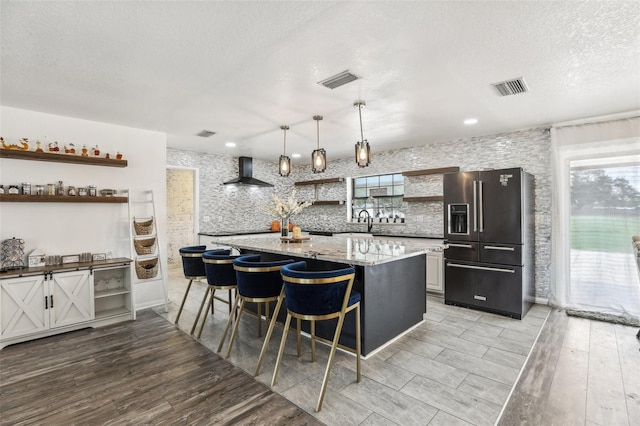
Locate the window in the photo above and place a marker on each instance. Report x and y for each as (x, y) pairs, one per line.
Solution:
(381, 196)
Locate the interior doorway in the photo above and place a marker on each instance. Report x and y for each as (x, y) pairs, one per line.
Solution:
(182, 211)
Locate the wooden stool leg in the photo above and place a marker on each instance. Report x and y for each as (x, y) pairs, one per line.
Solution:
(204, 319)
(281, 350)
(358, 341)
(332, 354)
(272, 324)
(204, 299)
(231, 318)
(235, 328)
(313, 340)
(184, 299)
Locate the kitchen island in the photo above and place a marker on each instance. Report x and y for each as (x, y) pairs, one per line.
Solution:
(390, 276)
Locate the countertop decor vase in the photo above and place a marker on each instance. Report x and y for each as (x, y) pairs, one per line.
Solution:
(284, 227)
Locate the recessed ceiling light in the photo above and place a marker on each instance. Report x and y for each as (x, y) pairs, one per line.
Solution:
(296, 155)
(230, 144)
(470, 121)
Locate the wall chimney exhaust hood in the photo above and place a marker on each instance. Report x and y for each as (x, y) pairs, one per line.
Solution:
(245, 174)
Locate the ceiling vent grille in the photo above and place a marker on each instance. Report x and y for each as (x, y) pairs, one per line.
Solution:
(511, 87)
(338, 80)
(205, 134)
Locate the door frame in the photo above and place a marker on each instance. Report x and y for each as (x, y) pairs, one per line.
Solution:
(196, 197)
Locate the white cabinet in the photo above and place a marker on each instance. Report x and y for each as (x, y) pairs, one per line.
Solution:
(70, 298)
(49, 303)
(42, 302)
(22, 306)
(435, 281)
(112, 292)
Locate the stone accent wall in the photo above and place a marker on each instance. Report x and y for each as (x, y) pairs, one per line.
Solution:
(237, 208)
(180, 213)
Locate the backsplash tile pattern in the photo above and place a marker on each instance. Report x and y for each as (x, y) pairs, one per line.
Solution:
(238, 206)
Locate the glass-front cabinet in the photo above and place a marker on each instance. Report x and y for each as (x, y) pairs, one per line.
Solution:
(380, 196)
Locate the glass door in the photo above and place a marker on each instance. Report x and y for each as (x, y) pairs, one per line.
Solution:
(605, 214)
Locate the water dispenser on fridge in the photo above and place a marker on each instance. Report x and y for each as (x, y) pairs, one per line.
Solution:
(459, 219)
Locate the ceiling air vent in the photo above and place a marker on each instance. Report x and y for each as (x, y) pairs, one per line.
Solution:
(511, 87)
(338, 80)
(205, 133)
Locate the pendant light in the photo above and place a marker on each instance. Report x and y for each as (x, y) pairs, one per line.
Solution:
(318, 156)
(284, 164)
(363, 151)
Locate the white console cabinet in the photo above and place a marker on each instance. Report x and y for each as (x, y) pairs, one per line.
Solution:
(435, 276)
(34, 305)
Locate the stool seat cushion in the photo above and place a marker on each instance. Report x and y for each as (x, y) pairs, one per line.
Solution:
(193, 249)
(259, 284)
(220, 274)
(316, 299)
(192, 265)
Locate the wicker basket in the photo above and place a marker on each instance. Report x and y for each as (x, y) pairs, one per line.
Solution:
(145, 246)
(147, 268)
(143, 227)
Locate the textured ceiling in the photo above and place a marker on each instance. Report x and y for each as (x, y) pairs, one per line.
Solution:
(242, 69)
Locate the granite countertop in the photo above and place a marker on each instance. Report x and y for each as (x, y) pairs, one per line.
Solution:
(349, 249)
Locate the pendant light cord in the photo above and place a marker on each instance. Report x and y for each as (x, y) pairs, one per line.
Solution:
(360, 114)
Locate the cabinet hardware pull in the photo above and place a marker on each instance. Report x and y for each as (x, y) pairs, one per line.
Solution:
(51, 301)
(483, 298)
(46, 303)
(482, 268)
(481, 207)
(499, 248)
(460, 245)
(475, 206)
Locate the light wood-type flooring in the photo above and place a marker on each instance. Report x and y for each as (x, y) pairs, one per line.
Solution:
(459, 367)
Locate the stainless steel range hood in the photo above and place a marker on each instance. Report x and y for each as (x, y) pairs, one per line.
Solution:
(245, 174)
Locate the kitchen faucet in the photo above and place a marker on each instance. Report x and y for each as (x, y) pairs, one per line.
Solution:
(368, 218)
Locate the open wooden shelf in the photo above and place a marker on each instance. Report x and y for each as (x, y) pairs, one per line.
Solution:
(427, 198)
(441, 170)
(17, 154)
(16, 198)
(318, 181)
(327, 202)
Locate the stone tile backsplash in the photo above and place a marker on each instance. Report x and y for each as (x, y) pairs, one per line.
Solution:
(236, 209)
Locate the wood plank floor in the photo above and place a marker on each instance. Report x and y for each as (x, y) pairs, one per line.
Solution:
(142, 372)
(581, 372)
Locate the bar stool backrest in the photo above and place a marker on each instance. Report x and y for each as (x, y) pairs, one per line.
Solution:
(192, 261)
(218, 265)
(258, 279)
(316, 292)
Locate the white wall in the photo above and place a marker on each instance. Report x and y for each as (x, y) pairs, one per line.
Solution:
(70, 228)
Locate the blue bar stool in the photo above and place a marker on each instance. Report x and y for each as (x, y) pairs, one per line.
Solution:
(218, 266)
(193, 268)
(258, 282)
(317, 296)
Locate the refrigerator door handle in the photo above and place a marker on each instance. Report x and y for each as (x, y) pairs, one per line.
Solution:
(475, 207)
(482, 268)
(499, 248)
(460, 245)
(480, 206)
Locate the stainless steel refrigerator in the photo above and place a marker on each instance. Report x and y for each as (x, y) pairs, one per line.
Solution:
(489, 229)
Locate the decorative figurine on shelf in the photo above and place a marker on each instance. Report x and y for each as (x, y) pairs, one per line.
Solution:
(96, 151)
(72, 148)
(53, 147)
(84, 151)
(38, 147)
(118, 155)
(107, 156)
(24, 142)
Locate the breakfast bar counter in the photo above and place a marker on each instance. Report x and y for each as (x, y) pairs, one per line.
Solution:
(390, 276)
